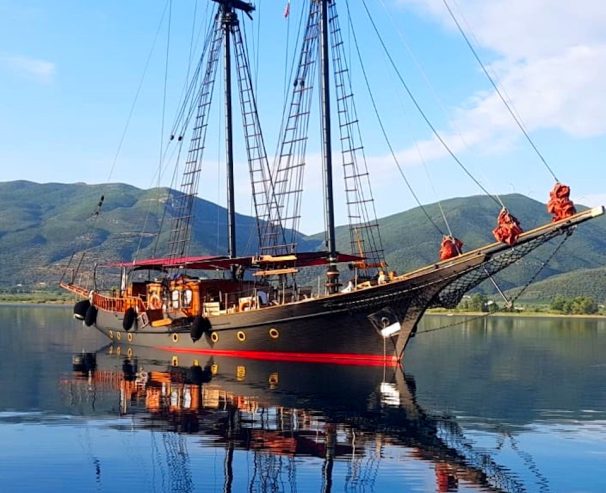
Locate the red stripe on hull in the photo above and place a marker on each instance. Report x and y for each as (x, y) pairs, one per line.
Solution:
(333, 358)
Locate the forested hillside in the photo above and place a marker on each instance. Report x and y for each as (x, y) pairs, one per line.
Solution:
(42, 225)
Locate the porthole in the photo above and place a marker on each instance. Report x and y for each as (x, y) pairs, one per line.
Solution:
(241, 336)
(111, 334)
(175, 337)
(118, 336)
(129, 337)
(273, 333)
(240, 373)
(214, 369)
(175, 361)
(129, 353)
(118, 350)
(214, 336)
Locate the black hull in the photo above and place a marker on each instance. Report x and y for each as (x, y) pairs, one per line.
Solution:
(334, 337)
(346, 327)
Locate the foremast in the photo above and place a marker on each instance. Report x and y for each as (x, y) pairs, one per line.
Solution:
(226, 42)
(229, 19)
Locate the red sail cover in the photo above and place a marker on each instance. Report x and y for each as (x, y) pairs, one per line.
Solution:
(451, 247)
(508, 228)
(560, 206)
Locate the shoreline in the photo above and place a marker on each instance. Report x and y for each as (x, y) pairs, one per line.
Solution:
(34, 303)
(530, 314)
(514, 315)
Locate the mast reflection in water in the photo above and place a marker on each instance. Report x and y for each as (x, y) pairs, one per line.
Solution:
(281, 412)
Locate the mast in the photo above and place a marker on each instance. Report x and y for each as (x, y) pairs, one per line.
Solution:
(229, 18)
(332, 273)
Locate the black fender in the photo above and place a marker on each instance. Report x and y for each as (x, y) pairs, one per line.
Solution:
(199, 327)
(130, 316)
(80, 309)
(91, 316)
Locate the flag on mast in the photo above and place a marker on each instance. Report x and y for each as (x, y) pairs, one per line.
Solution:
(287, 9)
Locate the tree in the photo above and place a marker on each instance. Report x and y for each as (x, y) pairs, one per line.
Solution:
(580, 305)
(477, 303)
(584, 305)
(558, 303)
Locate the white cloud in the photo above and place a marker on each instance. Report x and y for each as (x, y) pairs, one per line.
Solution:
(550, 62)
(40, 70)
(523, 29)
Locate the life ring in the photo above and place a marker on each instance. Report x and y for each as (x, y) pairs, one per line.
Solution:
(154, 302)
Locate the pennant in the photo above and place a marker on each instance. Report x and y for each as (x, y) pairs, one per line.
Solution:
(287, 9)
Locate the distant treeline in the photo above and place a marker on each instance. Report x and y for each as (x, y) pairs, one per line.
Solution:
(580, 283)
(577, 305)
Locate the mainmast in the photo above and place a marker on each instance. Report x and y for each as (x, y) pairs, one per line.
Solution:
(332, 273)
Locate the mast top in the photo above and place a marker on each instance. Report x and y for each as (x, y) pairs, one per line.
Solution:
(246, 7)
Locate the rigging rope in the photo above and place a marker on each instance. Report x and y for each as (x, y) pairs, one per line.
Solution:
(170, 14)
(257, 42)
(496, 88)
(286, 59)
(97, 211)
(138, 92)
(433, 129)
(440, 103)
(181, 119)
(544, 263)
(383, 131)
(290, 76)
(191, 43)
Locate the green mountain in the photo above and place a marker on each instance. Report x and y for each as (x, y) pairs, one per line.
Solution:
(42, 225)
(582, 282)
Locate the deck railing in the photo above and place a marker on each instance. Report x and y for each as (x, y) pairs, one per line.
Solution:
(107, 302)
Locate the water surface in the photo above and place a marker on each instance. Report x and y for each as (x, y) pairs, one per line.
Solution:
(497, 404)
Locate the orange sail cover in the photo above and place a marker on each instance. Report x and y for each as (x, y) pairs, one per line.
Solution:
(560, 206)
(451, 247)
(508, 228)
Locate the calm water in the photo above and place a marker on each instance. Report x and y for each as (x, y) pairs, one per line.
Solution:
(490, 405)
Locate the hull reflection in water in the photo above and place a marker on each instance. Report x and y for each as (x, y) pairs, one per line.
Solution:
(280, 412)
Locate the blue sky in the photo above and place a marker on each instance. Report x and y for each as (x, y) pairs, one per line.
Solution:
(70, 70)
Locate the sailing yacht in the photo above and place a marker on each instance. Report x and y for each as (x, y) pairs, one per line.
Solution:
(256, 308)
